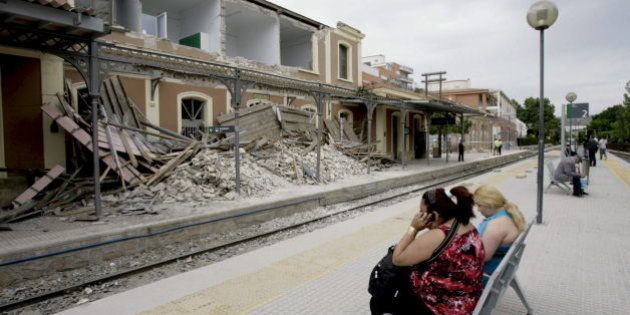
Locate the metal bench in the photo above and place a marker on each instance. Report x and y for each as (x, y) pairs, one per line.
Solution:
(504, 275)
(554, 182)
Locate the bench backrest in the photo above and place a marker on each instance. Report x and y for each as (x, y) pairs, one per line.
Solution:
(502, 276)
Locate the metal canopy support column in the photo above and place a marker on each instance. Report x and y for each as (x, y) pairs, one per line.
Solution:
(370, 103)
(427, 124)
(403, 127)
(320, 100)
(94, 85)
(446, 138)
(237, 88)
(461, 121)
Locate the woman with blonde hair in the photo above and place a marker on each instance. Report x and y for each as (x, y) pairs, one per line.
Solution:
(502, 225)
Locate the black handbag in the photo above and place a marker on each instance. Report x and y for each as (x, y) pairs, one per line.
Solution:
(389, 284)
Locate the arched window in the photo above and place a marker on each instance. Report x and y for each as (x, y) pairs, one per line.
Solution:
(194, 114)
(345, 61)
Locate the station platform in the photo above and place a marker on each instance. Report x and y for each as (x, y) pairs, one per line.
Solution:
(576, 262)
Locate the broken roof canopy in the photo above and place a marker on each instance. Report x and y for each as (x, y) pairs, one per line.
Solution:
(66, 5)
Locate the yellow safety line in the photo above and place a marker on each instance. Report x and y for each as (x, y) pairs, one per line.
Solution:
(620, 170)
(249, 292)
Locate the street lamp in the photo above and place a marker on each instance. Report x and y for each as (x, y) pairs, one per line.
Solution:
(571, 97)
(628, 87)
(540, 16)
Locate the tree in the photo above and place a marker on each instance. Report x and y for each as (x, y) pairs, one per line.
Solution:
(602, 123)
(614, 122)
(528, 114)
(452, 129)
(621, 127)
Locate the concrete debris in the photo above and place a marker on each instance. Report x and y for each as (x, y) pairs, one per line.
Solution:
(298, 164)
(210, 175)
(83, 301)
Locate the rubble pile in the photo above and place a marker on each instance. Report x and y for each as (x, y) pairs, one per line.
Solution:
(298, 163)
(209, 175)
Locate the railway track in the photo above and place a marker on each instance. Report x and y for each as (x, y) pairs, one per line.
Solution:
(623, 155)
(360, 205)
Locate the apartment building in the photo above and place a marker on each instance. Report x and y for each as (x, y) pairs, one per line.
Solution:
(391, 72)
(389, 138)
(461, 92)
(506, 125)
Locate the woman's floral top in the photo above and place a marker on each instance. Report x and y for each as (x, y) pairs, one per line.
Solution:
(451, 284)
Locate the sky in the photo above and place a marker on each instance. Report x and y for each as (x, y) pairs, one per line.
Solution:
(587, 50)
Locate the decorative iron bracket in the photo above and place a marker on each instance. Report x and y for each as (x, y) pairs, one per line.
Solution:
(155, 80)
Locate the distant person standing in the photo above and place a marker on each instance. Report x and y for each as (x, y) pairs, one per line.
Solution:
(495, 147)
(460, 158)
(592, 150)
(500, 146)
(603, 143)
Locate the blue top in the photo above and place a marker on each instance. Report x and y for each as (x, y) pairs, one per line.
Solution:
(494, 262)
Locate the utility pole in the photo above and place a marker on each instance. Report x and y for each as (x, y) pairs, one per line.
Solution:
(430, 78)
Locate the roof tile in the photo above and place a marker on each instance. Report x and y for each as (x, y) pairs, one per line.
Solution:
(67, 5)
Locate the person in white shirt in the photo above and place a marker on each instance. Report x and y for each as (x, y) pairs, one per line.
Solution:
(602, 148)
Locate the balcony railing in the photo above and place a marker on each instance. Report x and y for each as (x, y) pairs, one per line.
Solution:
(406, 69)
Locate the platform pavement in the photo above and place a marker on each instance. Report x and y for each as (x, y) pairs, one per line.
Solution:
(576, 262)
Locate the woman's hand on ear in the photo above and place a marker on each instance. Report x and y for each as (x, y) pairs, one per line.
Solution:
(422, 220)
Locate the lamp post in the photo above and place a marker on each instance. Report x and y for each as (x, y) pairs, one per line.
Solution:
(628, 87)
(540, 16)
(571, 97)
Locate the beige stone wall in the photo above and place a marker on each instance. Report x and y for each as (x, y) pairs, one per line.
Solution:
(51, 75)
(54, 143)
(355, 62)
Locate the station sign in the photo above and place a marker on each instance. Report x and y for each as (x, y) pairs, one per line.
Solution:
(577, 110)
(221, 129)
(441, 121)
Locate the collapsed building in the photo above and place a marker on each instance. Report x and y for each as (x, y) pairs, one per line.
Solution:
(183, 68)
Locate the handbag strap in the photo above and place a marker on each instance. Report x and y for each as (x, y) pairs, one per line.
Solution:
(444, 244)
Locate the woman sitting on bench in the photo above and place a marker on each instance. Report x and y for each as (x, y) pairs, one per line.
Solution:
(502, 225)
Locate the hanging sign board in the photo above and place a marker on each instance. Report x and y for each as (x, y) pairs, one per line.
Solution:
(441, 121)
(577, 110)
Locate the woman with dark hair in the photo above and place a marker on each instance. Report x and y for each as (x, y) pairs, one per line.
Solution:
(447, 281)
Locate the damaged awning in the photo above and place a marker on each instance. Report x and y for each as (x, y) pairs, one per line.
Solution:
(441, 106)
(420, 104)
(22, 21)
